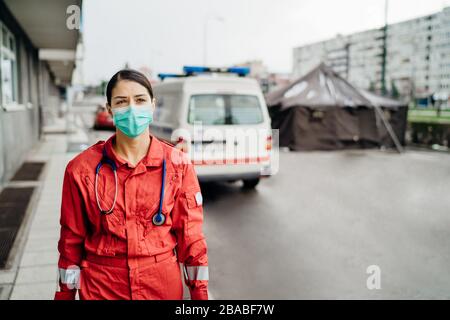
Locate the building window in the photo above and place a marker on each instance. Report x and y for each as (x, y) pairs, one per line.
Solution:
(8, 66)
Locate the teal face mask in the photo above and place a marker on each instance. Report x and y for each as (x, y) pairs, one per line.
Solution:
(132, 120)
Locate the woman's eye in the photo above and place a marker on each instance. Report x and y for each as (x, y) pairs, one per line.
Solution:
(141, 100)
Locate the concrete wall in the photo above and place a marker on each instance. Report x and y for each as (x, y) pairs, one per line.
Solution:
(20, 127)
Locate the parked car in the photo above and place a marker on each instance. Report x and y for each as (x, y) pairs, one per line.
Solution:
(103, 120)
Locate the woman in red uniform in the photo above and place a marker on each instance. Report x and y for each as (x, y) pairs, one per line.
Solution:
(131, 210)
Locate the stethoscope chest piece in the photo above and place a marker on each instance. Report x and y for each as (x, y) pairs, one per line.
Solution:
(158, 219)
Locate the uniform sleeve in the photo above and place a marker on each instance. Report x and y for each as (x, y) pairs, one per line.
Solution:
(71, 242)
(191, 244)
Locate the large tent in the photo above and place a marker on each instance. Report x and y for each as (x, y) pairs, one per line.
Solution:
(322, 111)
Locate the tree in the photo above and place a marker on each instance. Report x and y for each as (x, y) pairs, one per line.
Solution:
(101, 88)
(394, 91)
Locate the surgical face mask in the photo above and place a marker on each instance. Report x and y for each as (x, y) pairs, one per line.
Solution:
(132, 120)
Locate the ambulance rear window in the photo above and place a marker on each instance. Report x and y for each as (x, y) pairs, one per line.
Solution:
(223, 109)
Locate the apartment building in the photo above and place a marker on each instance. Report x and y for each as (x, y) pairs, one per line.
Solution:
(417, 61)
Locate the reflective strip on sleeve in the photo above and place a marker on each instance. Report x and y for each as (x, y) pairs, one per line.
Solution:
(70, 277)
(196, 272)
(199, 198)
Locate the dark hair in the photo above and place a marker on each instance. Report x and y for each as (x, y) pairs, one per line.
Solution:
(130, 75)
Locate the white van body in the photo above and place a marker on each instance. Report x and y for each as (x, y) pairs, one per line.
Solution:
(218, 117)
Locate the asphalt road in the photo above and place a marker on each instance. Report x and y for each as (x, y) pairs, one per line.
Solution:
(312, 230)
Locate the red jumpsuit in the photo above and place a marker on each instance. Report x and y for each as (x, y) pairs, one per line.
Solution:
(123, 255)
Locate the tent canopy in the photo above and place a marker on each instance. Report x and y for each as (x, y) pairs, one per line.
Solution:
(321, 87)
(381, 101)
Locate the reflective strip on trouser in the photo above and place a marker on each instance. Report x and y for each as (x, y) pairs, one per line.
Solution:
(70, 277)
(196, 273)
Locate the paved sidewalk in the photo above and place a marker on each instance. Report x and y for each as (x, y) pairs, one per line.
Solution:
(34, 271)
(37, 270)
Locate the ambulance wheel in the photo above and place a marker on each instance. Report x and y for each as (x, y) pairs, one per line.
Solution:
(250, 183)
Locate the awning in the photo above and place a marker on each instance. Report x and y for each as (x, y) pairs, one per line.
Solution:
(45, 23)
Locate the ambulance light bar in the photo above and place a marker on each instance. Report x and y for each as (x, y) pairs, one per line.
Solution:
(240, 71)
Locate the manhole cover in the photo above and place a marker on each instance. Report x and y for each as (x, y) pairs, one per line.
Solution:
(29, 171)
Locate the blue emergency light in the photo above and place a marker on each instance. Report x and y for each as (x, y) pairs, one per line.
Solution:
(193, 70)
(240, 71)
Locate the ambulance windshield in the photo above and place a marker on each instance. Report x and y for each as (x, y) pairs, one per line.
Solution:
(224, 109)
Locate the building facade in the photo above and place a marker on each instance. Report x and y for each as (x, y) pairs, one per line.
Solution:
(37, 54)
(267, 80)
(416, 62)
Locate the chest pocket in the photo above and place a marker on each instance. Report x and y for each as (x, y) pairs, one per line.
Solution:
(158, 236)
(115, 221)
(148, 196)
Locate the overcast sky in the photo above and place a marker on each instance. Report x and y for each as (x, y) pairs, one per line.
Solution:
(167, 34)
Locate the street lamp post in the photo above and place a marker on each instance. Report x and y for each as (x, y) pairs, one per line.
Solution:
(384, 54)
(205, 36)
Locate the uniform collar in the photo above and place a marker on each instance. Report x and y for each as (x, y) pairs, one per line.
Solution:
(153, 157)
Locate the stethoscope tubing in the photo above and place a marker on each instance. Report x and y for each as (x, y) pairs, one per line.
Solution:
(158, 218)
(105, 159)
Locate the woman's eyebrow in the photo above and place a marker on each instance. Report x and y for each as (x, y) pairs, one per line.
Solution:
(140, 95)
(120, 97)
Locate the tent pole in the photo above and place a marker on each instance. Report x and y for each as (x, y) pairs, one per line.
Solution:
(389, 129)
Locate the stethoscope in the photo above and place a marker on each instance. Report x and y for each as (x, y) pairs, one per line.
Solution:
(158, 218)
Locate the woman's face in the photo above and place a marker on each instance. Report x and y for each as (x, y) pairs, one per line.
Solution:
(128, 92)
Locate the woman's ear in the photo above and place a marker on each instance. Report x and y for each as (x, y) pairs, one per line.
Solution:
(108, 107)
(154, 103)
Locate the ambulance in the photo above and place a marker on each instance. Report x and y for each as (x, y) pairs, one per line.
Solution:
(217, 116)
